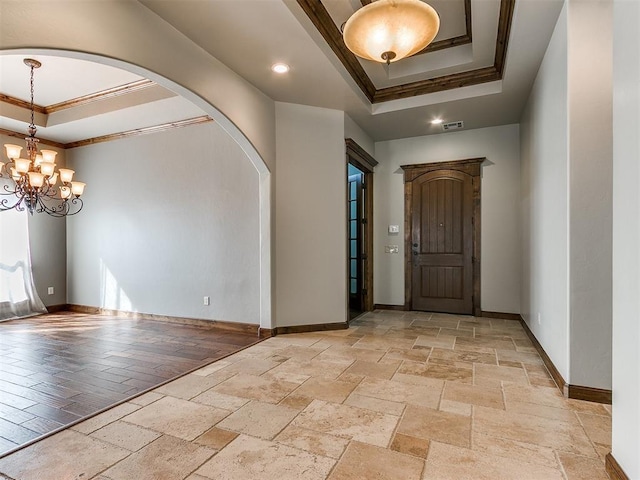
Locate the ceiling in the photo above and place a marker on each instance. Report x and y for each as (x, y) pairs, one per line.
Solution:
(478, 70)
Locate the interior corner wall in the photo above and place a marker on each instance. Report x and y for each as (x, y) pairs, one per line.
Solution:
(500, 195)
(352, 130)
(545, 196)
(590, 187)
(626, 237)
(168, 219)
(311, 216)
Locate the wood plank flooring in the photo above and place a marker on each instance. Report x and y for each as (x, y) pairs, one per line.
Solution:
(56, 369)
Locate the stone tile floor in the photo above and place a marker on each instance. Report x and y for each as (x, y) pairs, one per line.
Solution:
(396, 396)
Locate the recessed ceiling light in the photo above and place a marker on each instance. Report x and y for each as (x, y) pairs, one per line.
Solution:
(280, 68)
(436, 121)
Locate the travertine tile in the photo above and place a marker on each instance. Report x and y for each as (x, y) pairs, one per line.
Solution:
(374, 369)
(68, 454)
(515, 450)
(411, 354)
(508, 374)
(418, 447)
(216, 438)
(325, 367)
(325, 389)
(259, 419)
(256, 388)
(146, 398)
(125, 435)
(439, 355)
(248, 458)
(549, 396)
(391, 390)
(532, 429)
(314, 442)
(252, 366)
(296, 402)
(598, 427)
(455, 407)
(448, 462)
(487, 342)
(191, 385)
(180, 418)
(461, 373)
(214, 367)
(431, 424)
(105, 418)
(578, 467)
(167, 457)
(486, 397)
(375, 404)
(220, 400)
(554, 413)
(436, 342)
(366, 461)
(348, 422)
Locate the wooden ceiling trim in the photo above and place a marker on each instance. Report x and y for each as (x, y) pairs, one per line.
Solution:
(21, 103)
(22, 136)
(318, 14)
(140, 131)
(321, 19)
(102, 95)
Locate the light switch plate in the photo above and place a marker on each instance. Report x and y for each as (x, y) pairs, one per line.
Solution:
(394, 228)
(391, 249)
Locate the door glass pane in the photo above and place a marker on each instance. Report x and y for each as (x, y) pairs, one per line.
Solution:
(354, 286)
(354, 210)
(353, 252)
(353, 229)
(352, 191)
(354, 268)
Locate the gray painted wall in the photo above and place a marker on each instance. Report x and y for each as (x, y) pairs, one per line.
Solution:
(500, 187)
(169, 218)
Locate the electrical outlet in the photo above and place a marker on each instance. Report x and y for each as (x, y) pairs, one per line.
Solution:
(50, 290)
(207, 300)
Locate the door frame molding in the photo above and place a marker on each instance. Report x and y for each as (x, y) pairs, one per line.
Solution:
(469, 166)
(358, 157)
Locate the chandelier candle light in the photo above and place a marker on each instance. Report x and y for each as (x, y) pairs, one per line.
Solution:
(389, 30)
(31, 182)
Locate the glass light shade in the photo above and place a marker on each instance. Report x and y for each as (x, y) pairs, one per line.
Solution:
(53, 179)
(38, 160)
(13, 151)
(36, 179)
(22, 165)
(49, 155)
(403, 27)
(47, 168)
(66, 175)
(15, 175)
(77, 188)
(65, 192)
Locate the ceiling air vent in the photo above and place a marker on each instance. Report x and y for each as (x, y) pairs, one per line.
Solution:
(452, 126)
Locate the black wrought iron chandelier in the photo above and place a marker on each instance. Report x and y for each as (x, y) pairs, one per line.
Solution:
(30, 183)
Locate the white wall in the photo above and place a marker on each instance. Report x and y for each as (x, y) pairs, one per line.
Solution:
(168, 219)
(590, 186)
(310, 216)
(626, 236)
(544, 153)
(500, 194)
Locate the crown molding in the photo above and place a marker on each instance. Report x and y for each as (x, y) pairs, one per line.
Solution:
(323, 22)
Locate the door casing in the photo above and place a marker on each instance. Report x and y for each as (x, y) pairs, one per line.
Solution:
(470, 167)
(358, 157)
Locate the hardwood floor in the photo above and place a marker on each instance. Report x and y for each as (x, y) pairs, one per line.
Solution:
(56, 369)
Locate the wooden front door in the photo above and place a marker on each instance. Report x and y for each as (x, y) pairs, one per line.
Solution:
(441, 237)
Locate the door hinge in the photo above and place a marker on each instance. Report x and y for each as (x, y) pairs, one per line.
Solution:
(364, 221)
(364, 291)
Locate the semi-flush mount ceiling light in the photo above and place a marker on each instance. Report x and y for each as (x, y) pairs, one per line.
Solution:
(389, 30)
(30, 182)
